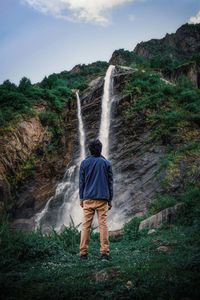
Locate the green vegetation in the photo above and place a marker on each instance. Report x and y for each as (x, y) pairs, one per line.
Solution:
(54, 91)
(81, 75)
(39, 266)
(53, 94)
(167, 107)
(160, 203)
(13, 102)
(161, 55)
(130, 59)
(46, 266)
(172, 114)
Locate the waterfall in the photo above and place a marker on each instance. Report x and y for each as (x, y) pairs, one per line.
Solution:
(64, 205)
(115, 220)
(81, 130)
(71, 206)
(105, 113)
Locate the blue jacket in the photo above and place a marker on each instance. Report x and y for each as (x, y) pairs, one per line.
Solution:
(96, 178)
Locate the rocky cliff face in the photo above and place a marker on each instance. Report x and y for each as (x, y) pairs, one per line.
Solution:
(24, 147)
(182, 44)
(135, 162)
(134, 158)
(16, 147)
(180, 49)
(191, 70)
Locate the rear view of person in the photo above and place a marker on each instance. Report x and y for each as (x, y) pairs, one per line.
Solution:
(96, 193)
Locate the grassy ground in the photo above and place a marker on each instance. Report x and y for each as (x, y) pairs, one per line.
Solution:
(163, 265)
(36, 266)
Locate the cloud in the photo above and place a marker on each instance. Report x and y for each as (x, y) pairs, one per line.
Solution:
(96, 11)
(194, 19)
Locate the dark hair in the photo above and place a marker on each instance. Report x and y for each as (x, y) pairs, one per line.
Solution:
(95, 147)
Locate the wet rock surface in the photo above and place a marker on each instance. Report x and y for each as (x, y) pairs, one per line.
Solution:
(15, 148)
(37, 189)
(135, 162)
(134, 158)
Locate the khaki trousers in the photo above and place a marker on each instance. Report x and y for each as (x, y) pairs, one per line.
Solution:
(89, 208)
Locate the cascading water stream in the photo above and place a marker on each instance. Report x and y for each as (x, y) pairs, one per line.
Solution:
(70, 210)
(67, 190)
(115, 220)
(81, 129)
(106, 111)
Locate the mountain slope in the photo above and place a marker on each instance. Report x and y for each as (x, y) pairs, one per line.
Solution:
(181, 45)
(175, 55)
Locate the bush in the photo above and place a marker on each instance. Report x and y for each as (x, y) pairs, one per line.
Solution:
(26, 246)
(131, 229)
(49, 118)
(164, 106)
(191, 200)
(24, 85)
(160, 203)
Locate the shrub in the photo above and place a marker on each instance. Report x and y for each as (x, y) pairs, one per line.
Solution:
(160, 203)
(48, 118)
(131, 229)
(191, 198)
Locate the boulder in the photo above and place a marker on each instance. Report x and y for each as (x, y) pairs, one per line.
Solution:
(116, 233)
(107, 274)
(163, 249)
(165, 216)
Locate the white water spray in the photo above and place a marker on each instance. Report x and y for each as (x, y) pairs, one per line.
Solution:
(68, 189)
(70, 208)
(105, 113)
(115, 221)
(81, 129)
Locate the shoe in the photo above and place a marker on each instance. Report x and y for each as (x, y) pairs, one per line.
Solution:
(83, 256)
(105, 257)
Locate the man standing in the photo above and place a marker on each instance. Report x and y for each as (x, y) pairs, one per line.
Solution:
(96, 193)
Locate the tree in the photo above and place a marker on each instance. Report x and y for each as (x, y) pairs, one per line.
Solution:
(24, 84)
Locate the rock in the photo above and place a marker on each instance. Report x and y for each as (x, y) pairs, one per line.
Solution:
(27, 138)
(107, 274)
(183, 43)
(96, 82)
(157, 242)
(76, 69)
(151, 231)
(190, 70)
(16, 147)
(116, 233)
(134, 162)
(120, 57)
(23, 224)
(166, 216)
(129, 284)
(163, 249)
(139, 214)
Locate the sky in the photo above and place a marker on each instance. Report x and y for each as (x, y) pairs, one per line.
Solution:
(41, 37)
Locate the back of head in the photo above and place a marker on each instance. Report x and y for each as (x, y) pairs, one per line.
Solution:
(95, 147)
